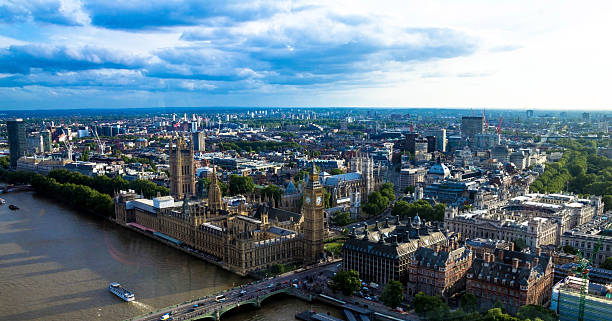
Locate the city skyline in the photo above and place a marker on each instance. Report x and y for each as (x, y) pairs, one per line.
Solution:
(89, 54)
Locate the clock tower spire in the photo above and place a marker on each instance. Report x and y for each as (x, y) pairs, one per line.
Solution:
(313, 225)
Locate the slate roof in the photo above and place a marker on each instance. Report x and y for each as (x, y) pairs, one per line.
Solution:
(428, 257)
(502, 269)
(276, 214)
(335, 180)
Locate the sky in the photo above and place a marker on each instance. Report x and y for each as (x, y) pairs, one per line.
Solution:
(165, 53)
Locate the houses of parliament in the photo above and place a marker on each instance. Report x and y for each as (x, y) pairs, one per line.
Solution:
(244, 237)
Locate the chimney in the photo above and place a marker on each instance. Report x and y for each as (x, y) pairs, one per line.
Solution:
(515, 264)
(536, 260)
(436, 248)
(538, 251)
(528, 265)
(500, 255)
(511, 246)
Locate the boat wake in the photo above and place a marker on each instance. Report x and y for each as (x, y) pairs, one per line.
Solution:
(141, 306)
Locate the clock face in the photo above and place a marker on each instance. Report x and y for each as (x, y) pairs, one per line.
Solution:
(318, 200)
(307, 199)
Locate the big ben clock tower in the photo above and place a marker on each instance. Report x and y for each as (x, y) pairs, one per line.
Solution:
(313, 225)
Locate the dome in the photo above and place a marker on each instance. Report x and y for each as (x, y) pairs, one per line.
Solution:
(439, 169)
(416, 220)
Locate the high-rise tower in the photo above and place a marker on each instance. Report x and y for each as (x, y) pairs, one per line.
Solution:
(182, 169)
(313, 225)
(16, 139)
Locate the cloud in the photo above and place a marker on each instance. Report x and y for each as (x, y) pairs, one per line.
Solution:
(25, 59)
(64, 12)
(149, 14)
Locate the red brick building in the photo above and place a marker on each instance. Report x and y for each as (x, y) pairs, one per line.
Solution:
(512, 278)
(439, 271)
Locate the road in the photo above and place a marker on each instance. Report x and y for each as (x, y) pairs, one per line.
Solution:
(234, 296)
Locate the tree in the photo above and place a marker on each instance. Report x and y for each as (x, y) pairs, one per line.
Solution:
(376, 203)
(272, 192)
(336, 171)
(393, 294)
(241, 185)
(569, 249)
(533, 311)
(469, 302)
(519, 244)
(607, 199)
(342, 218)
(409, 189)
(607, 263)
(387, 191)
(346, 281)
(277, 269)
(431, 307)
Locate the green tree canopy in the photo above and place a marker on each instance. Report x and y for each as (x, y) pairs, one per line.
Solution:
(532, 312)
(393, 294)
(341, 218)
(346, 281)
(607, 263)
(569, 249)
(336, 171)
(241, 185)
(376, 203)
(421, 207)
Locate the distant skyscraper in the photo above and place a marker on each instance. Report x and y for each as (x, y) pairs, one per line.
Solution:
(199, 140)
(529, 113)
(586, 116)
(17, 140)
(46, 136)
(470, 126)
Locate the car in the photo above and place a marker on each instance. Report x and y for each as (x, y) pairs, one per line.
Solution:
(165, 317)
(400, 310)
(271, 285)
(242, 291)
(368, 298)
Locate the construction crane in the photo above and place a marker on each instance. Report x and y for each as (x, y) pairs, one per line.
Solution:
(101, 144)
(68, 144)
(583, 271)
(498, 129)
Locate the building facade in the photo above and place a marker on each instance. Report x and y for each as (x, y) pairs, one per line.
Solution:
(471, 126)
(384, 253)
(17, 140)
(439, 271)
(240, 236)
(512, 278)
(182, 169)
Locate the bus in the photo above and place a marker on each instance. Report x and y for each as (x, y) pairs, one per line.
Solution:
(220, 298)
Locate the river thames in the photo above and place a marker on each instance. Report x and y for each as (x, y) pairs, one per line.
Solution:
(56, 264)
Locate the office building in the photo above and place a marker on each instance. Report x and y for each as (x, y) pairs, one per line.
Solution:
(471, 126)
(566, 300)
(384, 253)
(17, 140)
(46, 137)
(199, 141)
